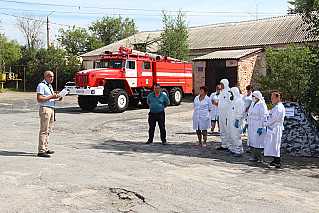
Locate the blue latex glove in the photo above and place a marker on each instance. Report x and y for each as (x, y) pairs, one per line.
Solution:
(226, 121)
(236, 123)
(245, 128)
(218, 118)
(259, 131)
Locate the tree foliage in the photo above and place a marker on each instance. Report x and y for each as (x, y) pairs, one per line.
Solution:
(110, 30)
(78, 41)
(100, 33)
(174, 38)
(51, 56)
(294, 72)
(9, 52)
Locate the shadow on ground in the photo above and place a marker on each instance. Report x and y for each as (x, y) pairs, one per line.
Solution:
(188, 149)
(17, 154)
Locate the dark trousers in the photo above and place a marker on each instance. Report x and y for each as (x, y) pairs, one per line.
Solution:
(160, 118)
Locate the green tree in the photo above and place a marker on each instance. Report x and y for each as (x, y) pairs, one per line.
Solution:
(78, 41)
(290, 71)
(9, 52)
(309, 11)
(174, 38)
(110, 30)
(51, 56)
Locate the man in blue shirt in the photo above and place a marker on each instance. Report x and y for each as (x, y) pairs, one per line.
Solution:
(157, 102)
(46, 97)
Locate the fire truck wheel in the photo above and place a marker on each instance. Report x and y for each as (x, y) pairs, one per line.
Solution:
(176, 96)
(87, 102)
(118, 100)
(165, 91)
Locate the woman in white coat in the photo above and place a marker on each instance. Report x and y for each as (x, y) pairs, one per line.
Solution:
(275, 127)
(201, 116)
(257, 114)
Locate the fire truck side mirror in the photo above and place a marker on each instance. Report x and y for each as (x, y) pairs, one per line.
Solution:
(123, 68)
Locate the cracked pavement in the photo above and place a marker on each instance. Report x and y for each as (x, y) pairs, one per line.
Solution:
(102, 164)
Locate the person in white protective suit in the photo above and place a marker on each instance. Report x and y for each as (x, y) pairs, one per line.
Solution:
(223, 110)
(235, 123)
(275, 128)
(201, 117)
(257, 114)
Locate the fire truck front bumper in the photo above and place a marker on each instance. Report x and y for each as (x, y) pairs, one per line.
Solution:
(86, 91)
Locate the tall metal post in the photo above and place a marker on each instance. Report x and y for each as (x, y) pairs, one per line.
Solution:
(56, 79)
(48, 30)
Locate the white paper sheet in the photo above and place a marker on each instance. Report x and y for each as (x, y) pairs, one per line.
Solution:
(62, 94)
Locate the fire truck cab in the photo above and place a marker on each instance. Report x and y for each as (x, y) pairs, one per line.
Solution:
(126, 77)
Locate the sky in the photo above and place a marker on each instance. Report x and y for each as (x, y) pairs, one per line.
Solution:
(146, 13)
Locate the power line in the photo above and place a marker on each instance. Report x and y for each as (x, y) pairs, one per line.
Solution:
(131, 9)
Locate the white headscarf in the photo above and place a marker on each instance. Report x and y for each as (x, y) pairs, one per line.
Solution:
(258, 95)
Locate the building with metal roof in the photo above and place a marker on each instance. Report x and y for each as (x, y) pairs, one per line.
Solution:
(228, 50)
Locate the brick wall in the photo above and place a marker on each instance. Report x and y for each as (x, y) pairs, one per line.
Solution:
(199, 76)
(248, 67)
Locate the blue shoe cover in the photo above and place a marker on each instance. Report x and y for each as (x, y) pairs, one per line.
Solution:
(229, 152)
(238, 155)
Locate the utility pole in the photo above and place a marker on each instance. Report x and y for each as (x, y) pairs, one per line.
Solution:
(48, 29)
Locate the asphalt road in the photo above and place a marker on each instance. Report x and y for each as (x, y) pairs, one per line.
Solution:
(102, 164)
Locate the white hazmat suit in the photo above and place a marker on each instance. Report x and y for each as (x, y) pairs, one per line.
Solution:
(223, 110)
(235, 122)
(275, 128)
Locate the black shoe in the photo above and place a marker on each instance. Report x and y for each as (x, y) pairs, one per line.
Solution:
(164, 143)
(49, 152)
(222, 148)
(148, 142)
(45, 155)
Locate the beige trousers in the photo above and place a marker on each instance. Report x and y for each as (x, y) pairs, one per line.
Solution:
(46, 121)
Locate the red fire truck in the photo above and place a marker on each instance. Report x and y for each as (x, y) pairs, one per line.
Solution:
(126, 77)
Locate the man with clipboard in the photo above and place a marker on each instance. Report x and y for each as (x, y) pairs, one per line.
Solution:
(46, 98)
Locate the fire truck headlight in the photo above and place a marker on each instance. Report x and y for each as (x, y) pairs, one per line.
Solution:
(92, 92)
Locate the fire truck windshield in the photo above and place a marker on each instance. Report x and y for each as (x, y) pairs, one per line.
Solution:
(112, 63)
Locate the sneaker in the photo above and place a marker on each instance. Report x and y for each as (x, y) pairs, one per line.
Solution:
(50, 152)
(148, 142)
(222, 148)
(197, 144)
(259, 161)
(44, 155)
(238, 155)
(164, 143)
(273, 165)
(229, 152)
(204, 145)
(252, 159)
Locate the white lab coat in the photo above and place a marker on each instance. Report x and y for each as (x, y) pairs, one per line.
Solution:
(237, 108)
(201, 116)
(213, 113)
(222, 111)
(247, 99)
(257, 114)
(275, 128)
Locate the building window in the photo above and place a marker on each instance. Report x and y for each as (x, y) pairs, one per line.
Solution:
(216, 63)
